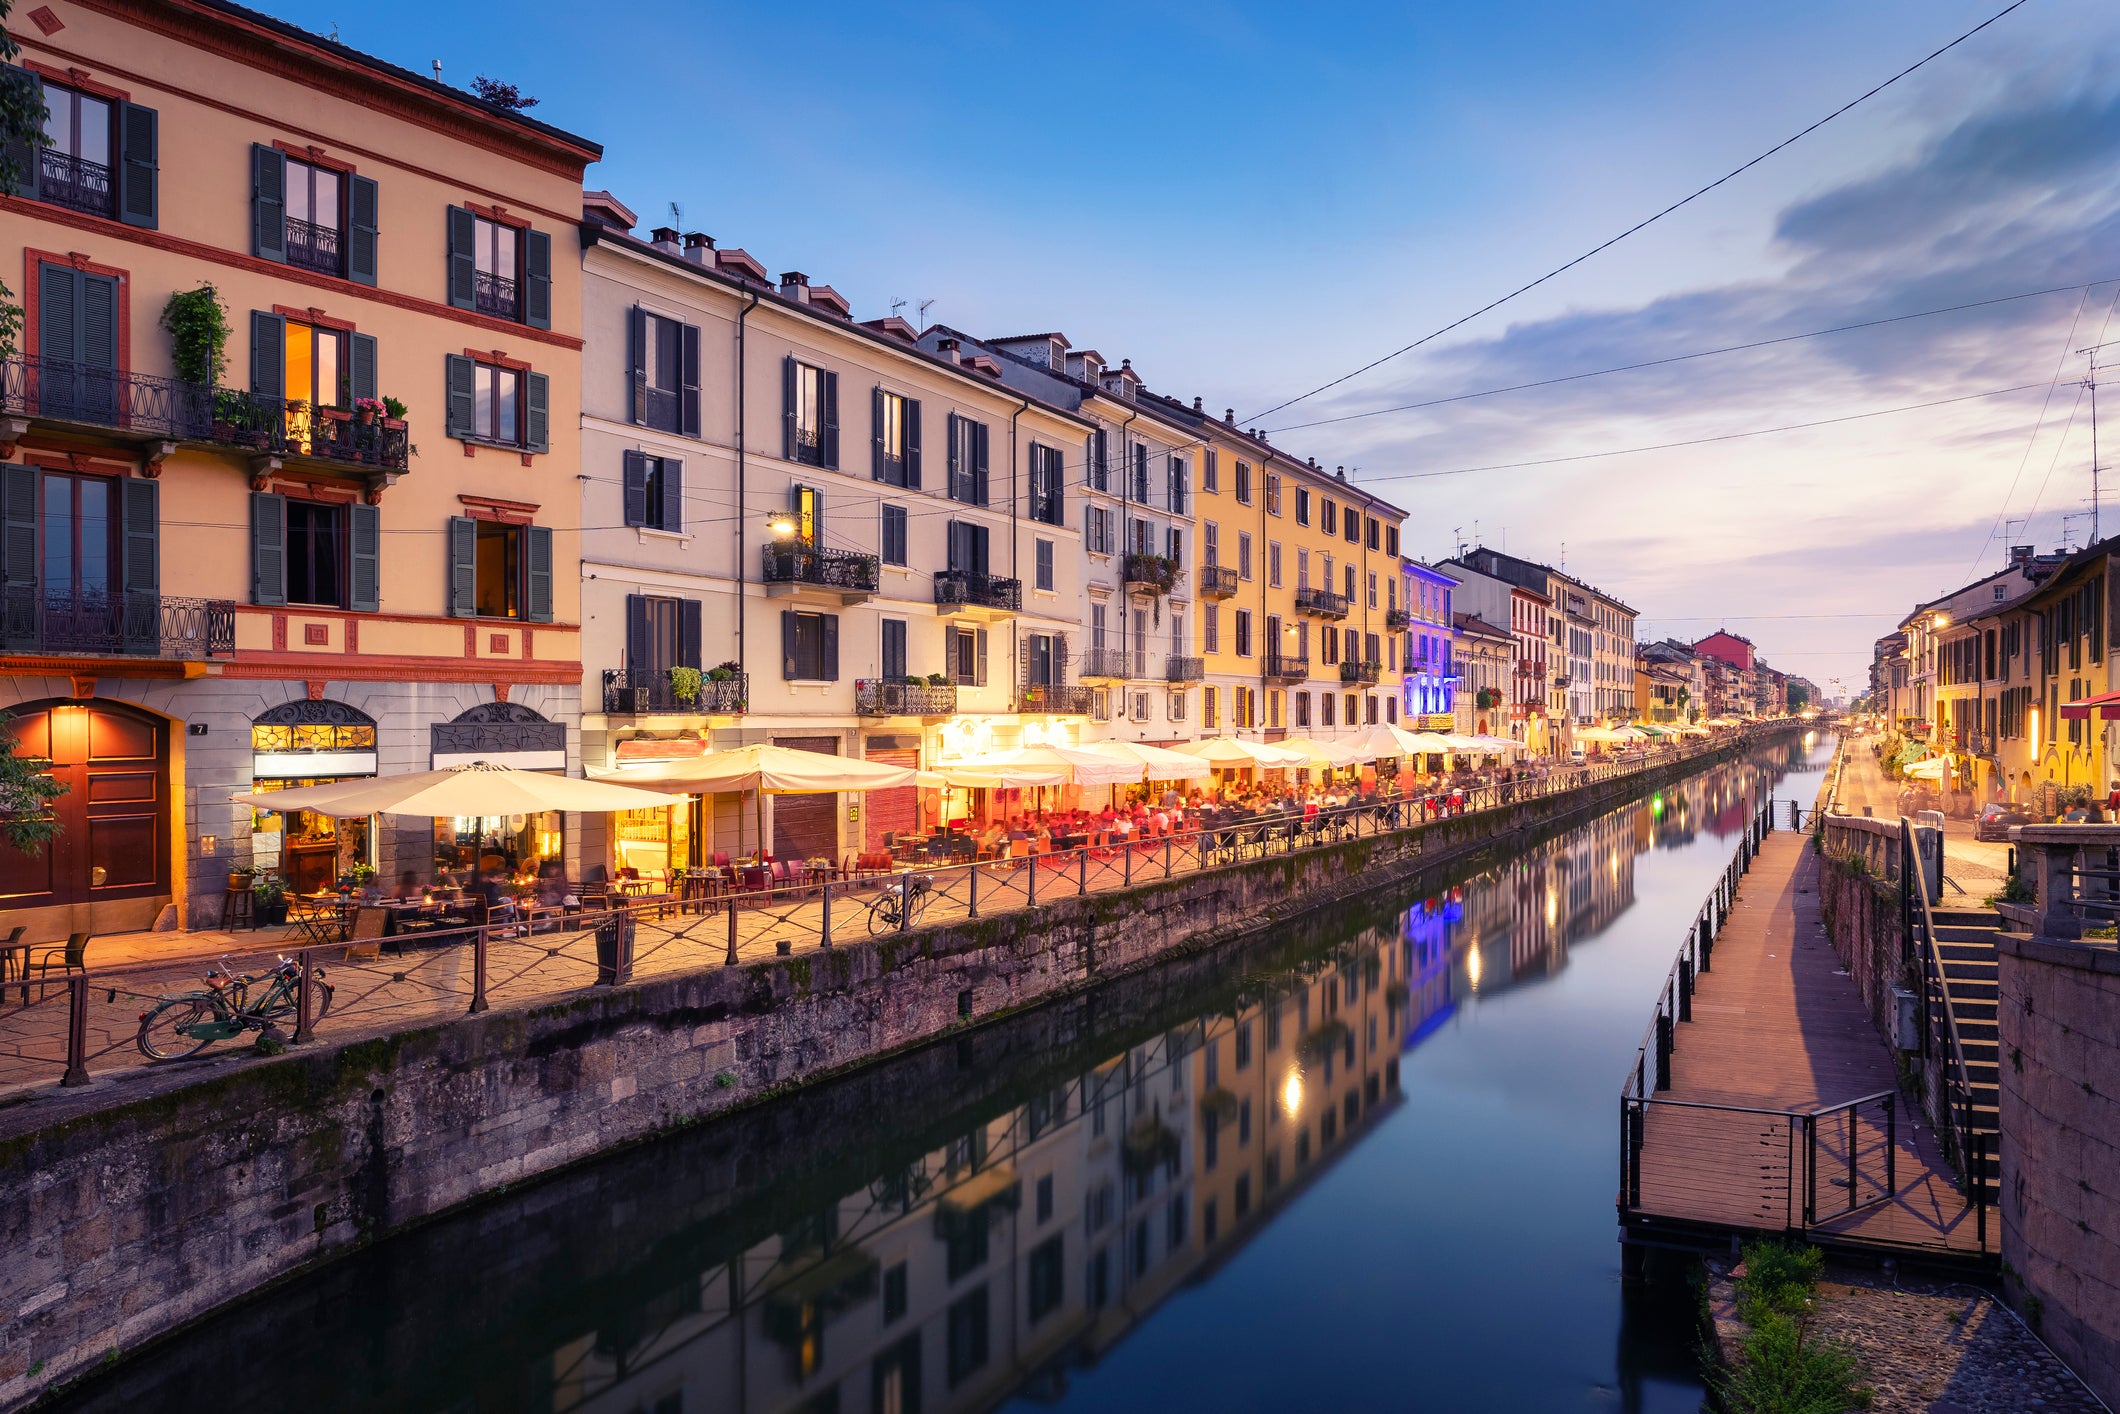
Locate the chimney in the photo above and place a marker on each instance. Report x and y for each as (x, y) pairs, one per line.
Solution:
(2020, 555)
(947, 348)
(1229, 415)
(699, 248)
(1196, 405)
(1340, 471)
(795, 285)
(664, 238)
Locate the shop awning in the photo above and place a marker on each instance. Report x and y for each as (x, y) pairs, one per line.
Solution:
(776, 770)
(1160, 762)
(477, 789)
(990, 778)
(1326, 753)
(2106, 705)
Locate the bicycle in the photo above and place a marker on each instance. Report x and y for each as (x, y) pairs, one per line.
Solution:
(189, 1022)
(900, 904)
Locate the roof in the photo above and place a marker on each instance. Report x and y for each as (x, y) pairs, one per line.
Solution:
(1480, 628)
(1429, 572)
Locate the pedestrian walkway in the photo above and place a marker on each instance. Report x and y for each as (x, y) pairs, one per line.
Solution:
(1972, 869)
(1783, 1111)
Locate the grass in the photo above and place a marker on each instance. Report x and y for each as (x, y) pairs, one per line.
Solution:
(1782, 1367)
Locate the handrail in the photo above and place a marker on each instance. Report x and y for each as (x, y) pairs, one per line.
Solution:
(1913, 886)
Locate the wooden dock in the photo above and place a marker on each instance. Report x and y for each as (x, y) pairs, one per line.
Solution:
(1783, 1112)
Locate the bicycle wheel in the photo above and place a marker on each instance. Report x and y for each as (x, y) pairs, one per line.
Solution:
(323, 997)
(883, 917)
(161, 1036)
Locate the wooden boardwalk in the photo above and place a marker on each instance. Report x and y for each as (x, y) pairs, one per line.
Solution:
(1778, 1032)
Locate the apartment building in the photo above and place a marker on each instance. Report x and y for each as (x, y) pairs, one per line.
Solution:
(1612, 658)
(1485, 658)
(1430, 688)
(809, 531)
(1526, 613)
(2023, 683)
(326, 528)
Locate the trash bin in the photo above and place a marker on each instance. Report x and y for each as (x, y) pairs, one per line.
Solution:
(614, 950)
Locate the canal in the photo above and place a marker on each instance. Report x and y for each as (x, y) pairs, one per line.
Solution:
(1368, 1165)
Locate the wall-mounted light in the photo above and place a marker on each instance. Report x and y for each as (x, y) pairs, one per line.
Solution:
(781, 525)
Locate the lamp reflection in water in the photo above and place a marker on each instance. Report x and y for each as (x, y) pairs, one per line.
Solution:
(1292, 1093)
(1472, 968)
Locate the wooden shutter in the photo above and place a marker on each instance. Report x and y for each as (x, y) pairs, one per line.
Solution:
(138, 204)
(978, 541)
(637, 365)
(537, 279)
(979, 658)
(537, 545)
(787, 408)
(268, 203)
(688, 381)
(363, 361)
(639, 657)
(268, 355)
(463, 259)
(98, 347)
(912, 443)
(459, 379)
(828, 647)
(959, 487)
(58, 316)
(831, 420)
(673, 494)
(268, 548)
(463, 567)
(635, 481)
(364, 562)
(18, 556)
(690, 633)
(979, 463)
(876, 433)
(537, 415)
(787, 644)
(18, 158)
(955, 555)
(140, 571)
(361, 220)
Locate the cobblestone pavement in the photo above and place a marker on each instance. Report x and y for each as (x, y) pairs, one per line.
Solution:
(1972, 869)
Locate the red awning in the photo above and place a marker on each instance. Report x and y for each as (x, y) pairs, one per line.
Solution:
(661, 749)
(2107, 703)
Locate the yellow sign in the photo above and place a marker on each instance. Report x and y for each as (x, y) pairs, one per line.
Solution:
(1434, 722)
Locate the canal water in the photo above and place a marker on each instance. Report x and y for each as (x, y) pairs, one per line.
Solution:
(1368, 1165)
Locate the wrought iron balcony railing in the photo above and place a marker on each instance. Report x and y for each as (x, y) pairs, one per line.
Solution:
(652, 692)
(1397, 620)
(1321, 603)
(1284, 667)
(1351, 671)
(1109, 663)
(1063, 698)
(956, 589)
(874, 698)
(494, 295)
(75, 183)
(1176, 669)
(848, 571)
(1217, 582)
(114, 623)
(313, 247)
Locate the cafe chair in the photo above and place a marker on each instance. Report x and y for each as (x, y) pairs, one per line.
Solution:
(71, 956)
(11, 949)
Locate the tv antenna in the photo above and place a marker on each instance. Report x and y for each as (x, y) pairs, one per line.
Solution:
(2090, 381)
(2068, 528)
(677, 216)
(924, 306)
(896, 305)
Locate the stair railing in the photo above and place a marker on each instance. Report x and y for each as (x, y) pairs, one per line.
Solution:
(1944, 1041)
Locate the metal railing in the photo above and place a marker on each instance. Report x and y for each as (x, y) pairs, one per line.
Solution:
(1108, 663)
(1953, 1107)
(1217, 582)
(1073, 699)
(313, 247)
(75, 183)
(494, 295)
(875, 698)
(962, 589)
(1397, 620)
(1181, 669)
(1321, 603)
(626, 692)
(71, 1024)
(822, 567)
(1284, 667)
(118, 623)
(1365, 673)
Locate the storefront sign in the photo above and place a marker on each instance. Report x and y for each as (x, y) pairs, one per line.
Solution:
(1435, 722)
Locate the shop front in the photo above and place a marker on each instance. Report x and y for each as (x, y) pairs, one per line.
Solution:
(521, 847)
(109, 868)
(310, 743)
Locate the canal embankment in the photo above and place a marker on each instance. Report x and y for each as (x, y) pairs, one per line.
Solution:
(143, 1207)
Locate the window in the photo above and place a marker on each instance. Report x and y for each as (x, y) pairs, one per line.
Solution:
(809, 414)
(653, 489)
(809, 646)
(1302, 567)
(1177, 706)
(1048, 470)
(1243, 633)
(894, 1292)
(1174, 545)
(1211, 544)
(894, 439)
(965, 652)
(1243, 554)
(1273, 563)
(315, 554)
(1327, 708)
(1329, 516)
(1372, 590)
(1373, 532)
(501, 406)
(1273, 493)
(1047, 1278)
(1302, 709)
(1211, 629)
(1045, 565)
(664, 357)
(1178, 485)
(967, 1335)
(1211, 471)
(1137, 484)
(968, 462)
(1244, 483)
(661, 633)
(503, 271)
(1044, 1191)
(1350, 583)
(79, 535)
(1351, 523)
(1391, 540)
(1097, 529)
(1208, 709)
(892, 667)
(74, 166)
(894, 551)
(312, 217)
(1302, 505)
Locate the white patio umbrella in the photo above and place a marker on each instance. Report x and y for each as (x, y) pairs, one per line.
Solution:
(1929, 768)
(992, 778)
(1235, 751)
(1427, 743)
(1500, 745)
(1160, 762)
(766, 769)
(479, 788)
(1384, 739)
(1084, 768)
(1326, 753)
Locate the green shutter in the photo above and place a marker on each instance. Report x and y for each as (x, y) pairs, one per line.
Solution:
(537, 543)
(137, 139)
(365, 563)
(537, 279)
(463, 265)
(458, 379)
(463, 567)
(537, 396)
(673, 488)
(831, 420)
(362, 215)
(828, 647)
(268, 203)
(268, 549)
(363, 361)
(268, 355)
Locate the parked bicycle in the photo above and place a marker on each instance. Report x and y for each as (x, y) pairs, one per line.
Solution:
(189, 1022)
(900, 904)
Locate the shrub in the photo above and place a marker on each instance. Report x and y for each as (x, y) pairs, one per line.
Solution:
(197, 322)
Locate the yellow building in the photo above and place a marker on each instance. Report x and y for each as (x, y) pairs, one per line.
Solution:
(220, 577)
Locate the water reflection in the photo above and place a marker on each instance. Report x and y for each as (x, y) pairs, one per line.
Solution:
(978, 1220)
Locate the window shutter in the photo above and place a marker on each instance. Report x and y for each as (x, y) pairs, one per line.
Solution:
(365, 564)
(912, 443)
(979, 658)
(673, 495)
(268, 355)
(268, 203)
(831, 420)
(690, 632)
(828, 647)
(268, 549)
(537, 417)
(876, 434)
(363, 360)
(361, 218)
(787, 409)
(537, 543)
(463, 567)
(18, 159)
(635, 481)
(637, 365)
(18, 556)
(99, 330)
(142, 522)
(137, 139)
(787, 644)
(463, 259)
(537, 279)
(637, 660)
(959, 487)
(458, 380)
(977, 539)
(688, 382)
(979, 464)
(58, 305)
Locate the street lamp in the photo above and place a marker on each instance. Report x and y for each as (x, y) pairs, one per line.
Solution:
(781, 524)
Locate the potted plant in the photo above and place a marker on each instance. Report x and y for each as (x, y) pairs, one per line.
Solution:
(367, 409)
(684, 685)
(393, 413)
(268, 895)
(938, 679)
(720, 674)
(197, 322)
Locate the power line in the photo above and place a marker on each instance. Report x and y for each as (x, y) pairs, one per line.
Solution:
(1682, 358)
(2056, 461)
(1639, 225)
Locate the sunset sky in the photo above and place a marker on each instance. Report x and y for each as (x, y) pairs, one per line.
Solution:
(1248, 200)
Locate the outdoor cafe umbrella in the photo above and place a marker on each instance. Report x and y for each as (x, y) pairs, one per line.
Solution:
(1161, 763)
(764, 768)
(1384, 739)
(1326, 753)
(1928, 768)
(1084, 768)
(1427, 743)
(1229, 751)
(477, 788)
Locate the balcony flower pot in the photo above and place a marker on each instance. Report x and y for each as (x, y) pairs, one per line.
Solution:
(684, 685)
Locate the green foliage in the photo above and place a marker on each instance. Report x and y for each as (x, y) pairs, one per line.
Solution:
(392, 408)
(267, 888)
(684, 684)
(1778, 1279)
(22, 114)
(26, 794)
(1782, 1368)
(502, 95)
(198, 328)
(938, 680)
(2013, 890)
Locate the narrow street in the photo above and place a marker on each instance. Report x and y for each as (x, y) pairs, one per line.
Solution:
(1972, 869)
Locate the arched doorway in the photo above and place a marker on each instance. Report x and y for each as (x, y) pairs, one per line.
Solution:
(308, 742)
(113, 844)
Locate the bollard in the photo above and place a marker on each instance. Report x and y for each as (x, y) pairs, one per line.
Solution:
(1685, 989)
(905, 901)
(76, 1030)
(1082, 858)
(1166, 856)
(973, 910)
(304, 1022)
(1126, 863)
(478, 976)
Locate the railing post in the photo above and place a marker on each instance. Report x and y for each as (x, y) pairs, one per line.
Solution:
(1082, 863)
(1166, 856)
(1852, 1130)
(1891, 1145)
(478, 972)
(1031, 888)
(304, 1023)
(1979, 1174)
(1685, 989)
(905, 900)
(972, 911)
(76, 1031)
(1663, 1049)
(1706, 945)
(824, 922)
(729, 960)
(1126, 862)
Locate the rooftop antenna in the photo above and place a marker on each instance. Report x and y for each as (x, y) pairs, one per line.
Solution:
(2068, 531)
(677, 216)
(2090, 381)
(924, 304)
(437, 71)
(1457, 533)
(2009, 529)
(896, 305)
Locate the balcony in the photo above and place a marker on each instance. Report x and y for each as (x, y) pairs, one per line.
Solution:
(816, 572)
(1363, 673)
(115, 624)
(1284, 667)
(75, 183)
(1217, 582)
(1176, 669)
(1058, 699)
(1108, 664)
(1397, 620)
(494, 295)
(652, 693)
(1321, 603)
(313, 247)
(874, 698)
(977, 596)
(163, 413)
(1151, 574)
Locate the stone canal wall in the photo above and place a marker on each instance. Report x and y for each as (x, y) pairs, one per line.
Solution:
(125, 1221)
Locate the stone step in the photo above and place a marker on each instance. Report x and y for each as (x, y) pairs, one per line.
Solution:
(1983, 951)
(1966, 917)
(1946, 933)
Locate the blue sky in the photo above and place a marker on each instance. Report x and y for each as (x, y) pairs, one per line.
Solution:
(1249, 199)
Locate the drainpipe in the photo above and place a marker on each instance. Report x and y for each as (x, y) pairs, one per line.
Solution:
(1126, 535)
(742, 462)
(1015, 534)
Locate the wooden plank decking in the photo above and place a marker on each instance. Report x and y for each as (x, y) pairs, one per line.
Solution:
(1778, 1026)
